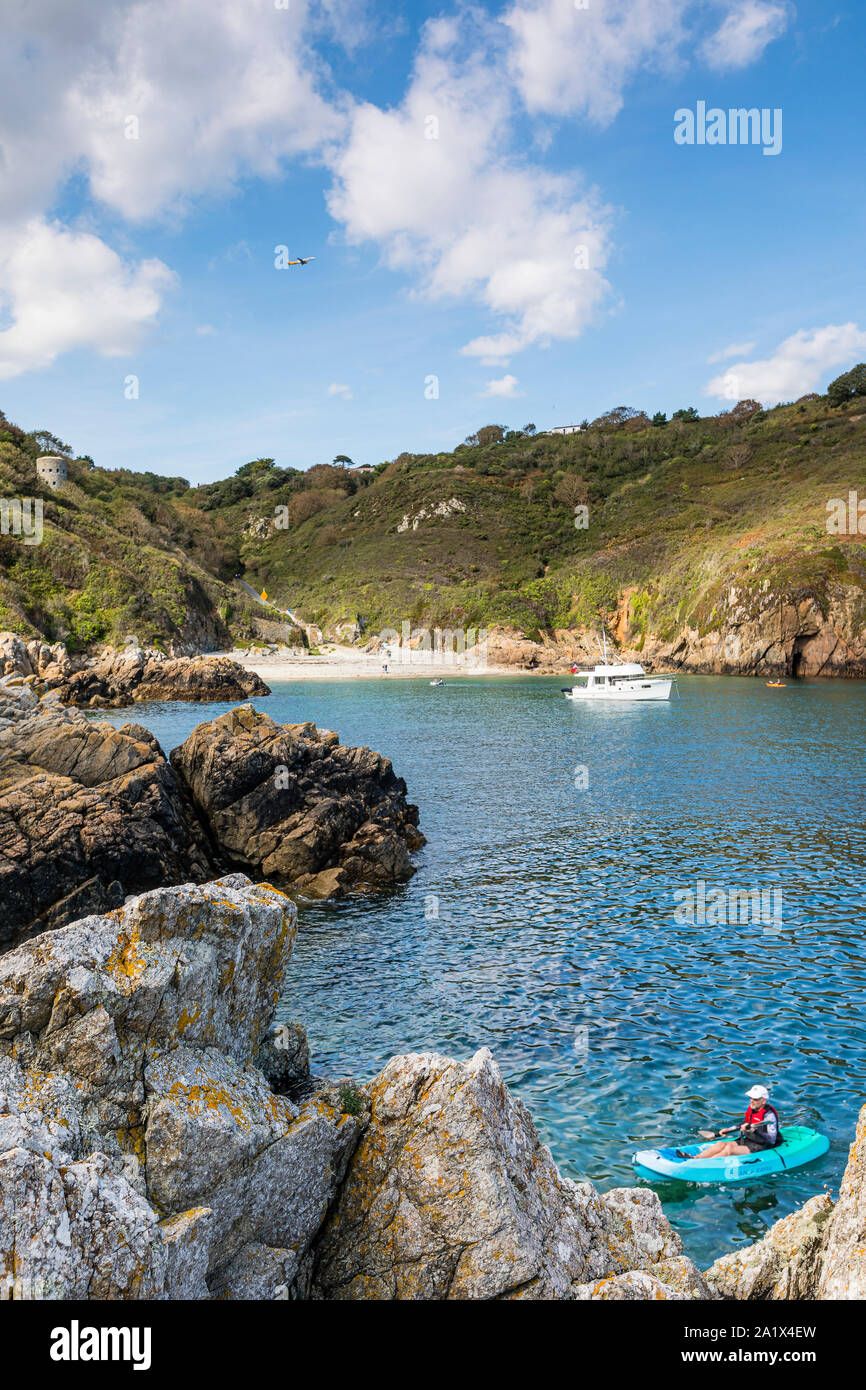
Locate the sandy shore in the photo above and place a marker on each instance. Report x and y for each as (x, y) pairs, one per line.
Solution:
(347, 663)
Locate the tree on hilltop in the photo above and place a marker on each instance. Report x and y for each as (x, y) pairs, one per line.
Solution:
(618, 416)
(49, 443)
(254, 468)
(743, 410)
(488, 434)
(848, 385)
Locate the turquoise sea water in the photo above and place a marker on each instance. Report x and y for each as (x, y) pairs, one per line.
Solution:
(541, 920)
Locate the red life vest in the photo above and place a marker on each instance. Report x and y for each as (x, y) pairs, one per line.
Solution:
(754, 1117)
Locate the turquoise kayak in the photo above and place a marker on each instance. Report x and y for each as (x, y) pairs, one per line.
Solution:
(799, 1145)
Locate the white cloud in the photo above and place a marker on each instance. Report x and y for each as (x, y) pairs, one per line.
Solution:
(150, 104)
(204, 330)
(245, 103)
(433, 183)
(570, 61)
(744, 34)
(494, 350)
(567, 61)
(155, 102)
(64, 289)
(337, 389)
(505, 386)
(796, 367)
(735, 350)
(355, 23)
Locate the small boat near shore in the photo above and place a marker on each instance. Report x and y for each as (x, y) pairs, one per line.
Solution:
(799, 1145)
(617, 680)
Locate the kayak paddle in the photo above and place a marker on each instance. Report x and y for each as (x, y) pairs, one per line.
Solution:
(732, 1129)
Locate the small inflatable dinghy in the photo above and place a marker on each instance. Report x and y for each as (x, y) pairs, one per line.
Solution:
(799, 1145)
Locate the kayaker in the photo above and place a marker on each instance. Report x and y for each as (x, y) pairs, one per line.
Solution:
(759, 1130)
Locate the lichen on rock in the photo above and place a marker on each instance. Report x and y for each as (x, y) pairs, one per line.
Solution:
(843, 1273)
(451, 1195)
(785, 1264)
(139, 1145)
(153, 1146)
(817, 1252)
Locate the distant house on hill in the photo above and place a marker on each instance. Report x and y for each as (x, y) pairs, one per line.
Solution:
(565, 429)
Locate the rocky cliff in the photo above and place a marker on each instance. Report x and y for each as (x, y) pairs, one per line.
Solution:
(90, 813)
(129, 676)
(770, 633)
(765, 634)
(818, 1252)
(162, 1138)
(290, 803)
(451, 1195)
(143, 1154)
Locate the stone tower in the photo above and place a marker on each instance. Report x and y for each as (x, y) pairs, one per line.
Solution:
(51, 469)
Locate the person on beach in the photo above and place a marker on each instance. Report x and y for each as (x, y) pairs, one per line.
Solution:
(759, 1130)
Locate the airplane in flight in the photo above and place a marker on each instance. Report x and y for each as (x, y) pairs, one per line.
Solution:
(302, 260)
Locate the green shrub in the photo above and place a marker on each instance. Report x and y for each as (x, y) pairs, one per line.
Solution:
(352, 1099)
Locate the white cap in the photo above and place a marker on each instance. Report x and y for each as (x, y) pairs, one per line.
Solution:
(758, 1093)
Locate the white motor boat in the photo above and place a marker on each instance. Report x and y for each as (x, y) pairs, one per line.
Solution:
(618, 680)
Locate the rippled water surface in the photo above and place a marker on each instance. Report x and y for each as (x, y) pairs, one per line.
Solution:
(541, 920)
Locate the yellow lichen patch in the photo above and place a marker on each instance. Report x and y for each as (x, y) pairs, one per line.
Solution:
(208, 1097)
(126, 964)
(204, 927)
(131, 1139)
(227, 975)
(187, 1018)
(278, 1112)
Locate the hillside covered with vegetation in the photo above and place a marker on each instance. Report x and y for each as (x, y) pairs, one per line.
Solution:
(121, 554)
(514, 528)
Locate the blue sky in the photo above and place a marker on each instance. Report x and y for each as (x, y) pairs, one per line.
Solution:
(710, 272)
